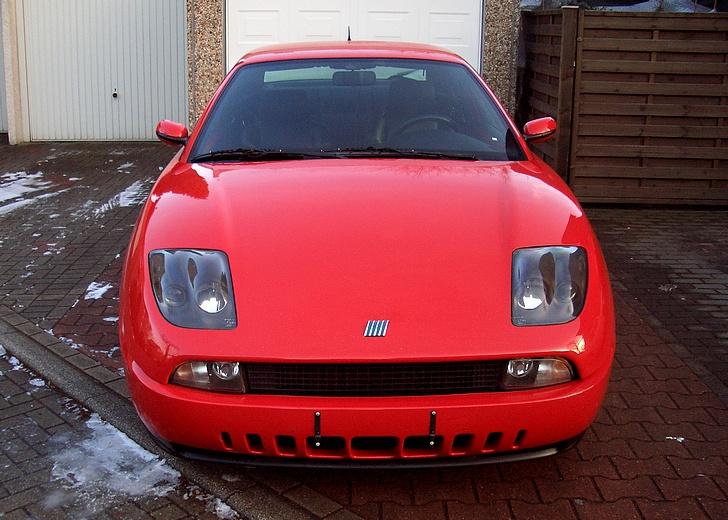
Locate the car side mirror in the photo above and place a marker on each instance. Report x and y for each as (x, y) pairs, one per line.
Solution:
(172, 133)
(539, 130)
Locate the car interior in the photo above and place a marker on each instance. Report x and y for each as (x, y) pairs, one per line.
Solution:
(327, 106)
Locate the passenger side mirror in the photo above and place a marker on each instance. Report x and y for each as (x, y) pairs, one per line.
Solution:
(539, 130)
(172, 133)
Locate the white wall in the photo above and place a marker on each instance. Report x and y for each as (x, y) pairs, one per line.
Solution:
(3, 97)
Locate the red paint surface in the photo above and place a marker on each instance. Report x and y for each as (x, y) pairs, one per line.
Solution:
(318, 247)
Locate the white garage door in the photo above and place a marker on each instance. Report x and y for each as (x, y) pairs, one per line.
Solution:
(453, 24)
(104, 69)
(3, 102)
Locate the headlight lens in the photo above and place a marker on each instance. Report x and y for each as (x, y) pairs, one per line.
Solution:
(193, 288)
(534, 373)
(548, 285)
(215, 376)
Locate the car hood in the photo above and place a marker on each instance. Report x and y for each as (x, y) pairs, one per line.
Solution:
(319, 247)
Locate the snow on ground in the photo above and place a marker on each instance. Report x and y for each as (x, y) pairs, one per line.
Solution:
(112, 319)
(17, 184)
(98, 466)
(131, 196)
(7, 208)
(125, 166)
(96, 290)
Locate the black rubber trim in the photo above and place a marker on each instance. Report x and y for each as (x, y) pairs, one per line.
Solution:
(435, 462)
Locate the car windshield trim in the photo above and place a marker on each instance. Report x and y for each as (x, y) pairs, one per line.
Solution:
(252, 155)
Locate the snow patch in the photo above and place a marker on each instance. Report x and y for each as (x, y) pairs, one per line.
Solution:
(7, 208)
(96, 290)
(134, 194)
(112, 319)
(125, 166)
(17, 184)
(107, 463)
(677, 439)
(37, 382)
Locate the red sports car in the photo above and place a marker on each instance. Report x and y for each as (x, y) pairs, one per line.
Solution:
(356, 260)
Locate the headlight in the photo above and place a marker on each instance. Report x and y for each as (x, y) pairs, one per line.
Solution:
(535, 373)
(216, 376)
(548, 285)
(193, 288)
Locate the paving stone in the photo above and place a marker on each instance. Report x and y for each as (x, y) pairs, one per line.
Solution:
(309, 499)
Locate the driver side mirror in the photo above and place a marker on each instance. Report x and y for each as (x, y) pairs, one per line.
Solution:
(539, 130)
(172, 133)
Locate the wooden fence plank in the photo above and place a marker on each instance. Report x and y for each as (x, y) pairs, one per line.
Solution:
(620, 130)
(655, 67)
(545, 88)
(545, 29)
(643, 172)
(647, 45)
(649, 194)
(665, 89)
(544, 68)
(542, 107)
(663, 109)
(684, 23)
(564, 112)
(676, 152)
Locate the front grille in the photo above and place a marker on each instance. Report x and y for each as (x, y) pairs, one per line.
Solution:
(367, 379)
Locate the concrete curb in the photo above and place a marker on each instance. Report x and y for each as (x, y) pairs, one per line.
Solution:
(249, 499)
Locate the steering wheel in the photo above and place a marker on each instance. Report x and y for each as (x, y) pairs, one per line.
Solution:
(412, 121)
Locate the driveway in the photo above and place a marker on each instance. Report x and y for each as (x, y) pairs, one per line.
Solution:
(659, 447)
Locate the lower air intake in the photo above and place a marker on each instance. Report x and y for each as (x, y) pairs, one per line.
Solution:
(368, 379)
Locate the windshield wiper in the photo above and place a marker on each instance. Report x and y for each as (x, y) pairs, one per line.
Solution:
(372, 151)
(252, 154)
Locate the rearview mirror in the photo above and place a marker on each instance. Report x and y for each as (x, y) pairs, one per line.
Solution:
(354, 78)
(172, 133)
(539, 130)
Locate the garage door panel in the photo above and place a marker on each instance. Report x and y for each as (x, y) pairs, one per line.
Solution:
(449, 29)
(387, 20)
(104, 70)
(314, 20)
(454, 24)
(256, 22)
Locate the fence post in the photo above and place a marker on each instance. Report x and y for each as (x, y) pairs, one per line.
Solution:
(565, 109)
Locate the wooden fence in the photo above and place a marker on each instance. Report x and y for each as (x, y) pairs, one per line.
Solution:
(641, 100)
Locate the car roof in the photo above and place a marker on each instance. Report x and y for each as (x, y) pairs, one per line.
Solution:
(352, 49)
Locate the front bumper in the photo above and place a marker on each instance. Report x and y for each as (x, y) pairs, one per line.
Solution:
(392, 431)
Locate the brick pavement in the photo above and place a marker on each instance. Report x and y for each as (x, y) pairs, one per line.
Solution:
(657, 450)
(48, 471)
(675, 263)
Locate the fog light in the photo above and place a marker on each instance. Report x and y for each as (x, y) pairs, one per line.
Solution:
(519, 367)
(226, 371)
(215, 376)
(535, 373)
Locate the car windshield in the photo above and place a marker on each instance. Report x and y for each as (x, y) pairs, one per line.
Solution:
(355, 108)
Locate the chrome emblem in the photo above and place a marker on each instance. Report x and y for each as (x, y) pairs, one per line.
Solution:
(376, 328)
